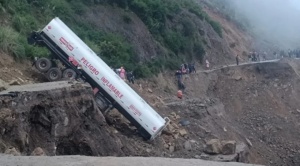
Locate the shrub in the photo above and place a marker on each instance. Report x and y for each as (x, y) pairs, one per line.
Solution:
(199, 51)
(127, 18)
(24, 23)
(142, 71)
(9, 42)
(117, 52)
(216, 26)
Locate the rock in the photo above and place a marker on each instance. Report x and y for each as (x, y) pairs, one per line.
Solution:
(213, 146)
(298, 110)
(21, 79)
(166, 146)
(148, 150)
(184, 122)
(238, 78)
(205, 130)
(167, 132)
(188, 145)
(197, 157)
(12, 151)
(172, 149)
(173, 114)
(249, 142)
(183, 132)
(3, 85)
(2, 147)
(243, 153)
(14, 82)
(171, 128)
(228, 147)
(176, 136)
(150, 90)
(38, 152)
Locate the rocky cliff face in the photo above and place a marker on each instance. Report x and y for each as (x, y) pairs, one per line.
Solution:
(61, 119)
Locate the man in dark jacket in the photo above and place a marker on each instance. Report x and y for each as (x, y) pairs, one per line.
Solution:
(130, 77)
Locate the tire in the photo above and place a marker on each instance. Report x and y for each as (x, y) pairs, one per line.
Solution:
(54, 74)
(69, 73)
(43, 64)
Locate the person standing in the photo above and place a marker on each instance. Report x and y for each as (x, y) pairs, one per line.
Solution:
(122, 73)
(237, 60)
(130, 77)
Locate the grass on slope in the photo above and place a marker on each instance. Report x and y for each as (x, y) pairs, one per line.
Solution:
(28, 15)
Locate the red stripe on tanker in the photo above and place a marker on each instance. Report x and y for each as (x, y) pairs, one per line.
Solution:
(135, 110)
(66, 43)
(90, 66)
(112, 87)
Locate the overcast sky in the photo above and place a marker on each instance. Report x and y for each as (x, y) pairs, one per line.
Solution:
(277, 21)
(296, 3)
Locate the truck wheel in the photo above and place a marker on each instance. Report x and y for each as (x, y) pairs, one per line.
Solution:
(69, 73)
(54, 74)
(43, 64)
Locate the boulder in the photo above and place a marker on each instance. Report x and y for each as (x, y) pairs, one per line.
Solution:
(172, 149)
(3, 85)
(238, 78)
(213, 146)
(183, 132)
(184, 122)
(14, 82)
(241, 155)
(242, 151)
(228, 147)
(188, 145)
(12, 151)
(2, 147)
(38, 152)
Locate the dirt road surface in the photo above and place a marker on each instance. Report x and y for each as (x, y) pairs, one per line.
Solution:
(107, 161)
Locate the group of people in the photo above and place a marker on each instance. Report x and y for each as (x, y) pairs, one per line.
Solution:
(125, 75)
(256, 56)
(290, 54)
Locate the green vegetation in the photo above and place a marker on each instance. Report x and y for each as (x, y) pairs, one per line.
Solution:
(180, 39)
(9, 42)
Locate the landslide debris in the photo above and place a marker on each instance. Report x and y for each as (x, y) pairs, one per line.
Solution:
(58, 118)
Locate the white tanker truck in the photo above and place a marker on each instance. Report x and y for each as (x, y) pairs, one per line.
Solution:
(80, 62)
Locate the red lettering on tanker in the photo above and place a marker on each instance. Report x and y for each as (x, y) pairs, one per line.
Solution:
(89, 66)
(74, 62)
(66, 43)
(112, 87)
(135, 110)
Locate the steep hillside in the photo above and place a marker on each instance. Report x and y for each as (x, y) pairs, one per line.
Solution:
(253, 106)
(154, 34)
(257, 104)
